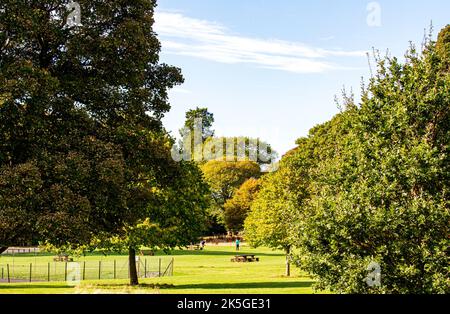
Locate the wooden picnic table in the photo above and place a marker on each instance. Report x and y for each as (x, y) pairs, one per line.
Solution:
(244, 258)
(147, 252)
(63, 258)
(195, 247)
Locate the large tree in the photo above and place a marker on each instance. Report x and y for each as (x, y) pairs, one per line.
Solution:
(239, 149)
(380, 190)
(205, 120)
(19, 188)
(174, 215)
(237, 208)
(276, 209)
(81, 106)
(224, 178)
(196, 130)
(198, 142)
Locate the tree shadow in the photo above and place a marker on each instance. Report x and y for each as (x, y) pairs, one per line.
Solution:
(159, 253)
(246, 285)
(24, 286)
(215, 253)
(141, 285)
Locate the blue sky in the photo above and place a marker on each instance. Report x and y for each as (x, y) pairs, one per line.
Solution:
(271, 69)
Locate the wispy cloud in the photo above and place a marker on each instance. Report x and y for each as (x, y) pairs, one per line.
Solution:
(182, 35)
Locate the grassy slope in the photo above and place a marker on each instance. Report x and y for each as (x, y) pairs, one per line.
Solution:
(208, 271)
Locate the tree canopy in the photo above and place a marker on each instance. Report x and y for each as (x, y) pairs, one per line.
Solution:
(81, 108)
(369, 188)
(275, 210)
(205, 119)
(379, 183)
(239, 149)
(224, 178)
(237, 208)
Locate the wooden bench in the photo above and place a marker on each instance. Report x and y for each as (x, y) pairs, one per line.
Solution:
(245, 259)
(147, 252)
(63, 258)
(196, 247)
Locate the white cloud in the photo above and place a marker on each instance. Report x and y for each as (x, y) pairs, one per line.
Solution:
(187, 36)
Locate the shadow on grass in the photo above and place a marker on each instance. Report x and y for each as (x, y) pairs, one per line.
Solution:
(24, 286)
(184, 252)
(246, 285)
(205, 286)
(179, 252)
(215, 253)
(141, 285)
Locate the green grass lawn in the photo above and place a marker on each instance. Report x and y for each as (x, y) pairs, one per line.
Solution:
(196, 272)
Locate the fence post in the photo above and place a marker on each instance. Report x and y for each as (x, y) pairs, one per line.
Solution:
(31, 267)
(145, 268)
(65, 272)
(171, 273)
(2, 273)
(84, 270)
(159, 271)
(7, 269)
(115, 276)
(48, 272)
(99, 269)
(167, 270)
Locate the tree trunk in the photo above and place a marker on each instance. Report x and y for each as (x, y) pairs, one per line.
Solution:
(134, 281)
(3, 249)
(288, 262)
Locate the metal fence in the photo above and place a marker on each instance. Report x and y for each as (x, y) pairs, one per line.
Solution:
(84, 270)
(21, 250)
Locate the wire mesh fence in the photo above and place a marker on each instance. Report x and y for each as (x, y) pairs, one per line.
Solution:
(83, 270)
(21, 250)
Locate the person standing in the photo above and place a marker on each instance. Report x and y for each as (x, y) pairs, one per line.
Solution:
(238, 243)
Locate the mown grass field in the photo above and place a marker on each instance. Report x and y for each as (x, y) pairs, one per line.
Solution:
(195, 272)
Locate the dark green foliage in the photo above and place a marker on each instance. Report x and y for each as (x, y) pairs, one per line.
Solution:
(70, 96)
(83, 153)
(239, 149)
(237, 208)
(380, 182)
(224, 178)
(19, 198)
(443, 47)
(371, 185)
(207, 121)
